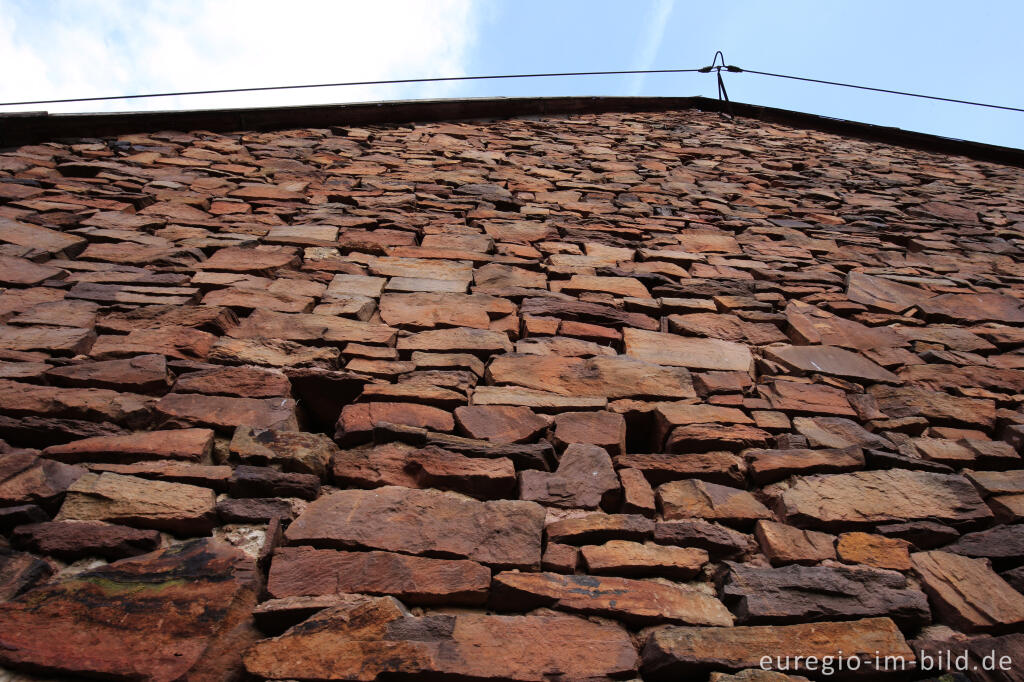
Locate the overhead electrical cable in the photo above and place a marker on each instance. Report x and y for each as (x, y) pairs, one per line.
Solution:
(715, 67)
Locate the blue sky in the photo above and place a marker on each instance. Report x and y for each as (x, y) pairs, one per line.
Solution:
(69, 48)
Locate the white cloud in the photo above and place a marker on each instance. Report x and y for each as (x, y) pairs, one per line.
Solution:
(658, 22)
(82, 48)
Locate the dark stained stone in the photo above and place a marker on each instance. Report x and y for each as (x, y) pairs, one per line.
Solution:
(97, 622)
(795, 594)
(379, 638)
(73, 540)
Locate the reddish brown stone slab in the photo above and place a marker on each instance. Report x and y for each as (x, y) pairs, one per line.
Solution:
(356, 423)
(585, 479)
(692, 499)
(20, 571)
(304, 571)
(427, 311)
(173, 507)
(874, 550)
(500, 423)
(238, 382)
(602, 377)
(590, 313)
(240, 259)
(907, 401)
(597, 528)
(292, 451)
(129, 409)
(457, 340)
(768, 466)
(679, 351)
(606, 430)
(716, 467)
(674, 652)
(830, 360)
(375, 466)
(23, 272)
(813, 399)
(56, 340)
(503, 533)
(866, 498)
(368, 641)
(884, 294)
(175, 342)
(711, 437)
(97, 622)
(638, 602)
(784, 544)
(224, 413)
(72, 540)
(966, 593)
(482, 478)
(311, 329)
(215, 478)
(986, 307)
(187, 444)
(637, 494)
(633, 559)
(141, 374)
(26, 478)
(811, 325)
(39, 238)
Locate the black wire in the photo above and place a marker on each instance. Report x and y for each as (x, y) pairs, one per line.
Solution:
(706, 69)
(336, 85)
(891, 92)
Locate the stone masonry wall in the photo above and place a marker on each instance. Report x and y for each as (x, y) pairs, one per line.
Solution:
(618, 396)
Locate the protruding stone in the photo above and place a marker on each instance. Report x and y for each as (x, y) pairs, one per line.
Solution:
(502, 533)
(606, 430)
(966, 593)
(784, 544)
(304, 571)
(20, 571)
(73, 540)
(692, 499)
(598, 528)
(500, 423)
(600, 377)
(634, 559)
(97, 622)
(874, 550)
(172, 507)
(718, 540)
(293, 451)
(585, 479)
(28, 479)
(181, 444)
(794, 594)
(866, 498)
(225, 414)
(379, 638)
(673, 653)
(680, 351)
(768, 466)
(639, 602)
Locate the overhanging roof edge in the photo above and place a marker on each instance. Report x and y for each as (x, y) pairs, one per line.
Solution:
(17, 128)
